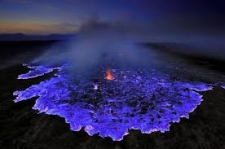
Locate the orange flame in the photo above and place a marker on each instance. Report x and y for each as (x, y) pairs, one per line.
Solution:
(109, 75)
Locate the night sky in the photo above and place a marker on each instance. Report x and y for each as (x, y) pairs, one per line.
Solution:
(66, 16)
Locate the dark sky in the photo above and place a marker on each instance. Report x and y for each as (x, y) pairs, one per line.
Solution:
(66, 16)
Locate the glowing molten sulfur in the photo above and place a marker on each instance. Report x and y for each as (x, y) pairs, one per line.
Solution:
(109, 75)
(142, 101)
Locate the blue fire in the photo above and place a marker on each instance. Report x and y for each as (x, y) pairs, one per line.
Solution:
(139, 100)
(36, 71)
(223, 86)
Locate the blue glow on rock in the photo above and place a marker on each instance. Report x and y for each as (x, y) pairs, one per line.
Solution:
(133, 100)
(36, 71)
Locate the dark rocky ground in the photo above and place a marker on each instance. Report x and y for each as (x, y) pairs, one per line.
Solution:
(23, 128)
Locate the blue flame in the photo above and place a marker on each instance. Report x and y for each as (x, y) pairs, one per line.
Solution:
(134, 100)
(223, 86)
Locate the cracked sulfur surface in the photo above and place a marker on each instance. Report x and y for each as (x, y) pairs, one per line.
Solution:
(141, 100)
